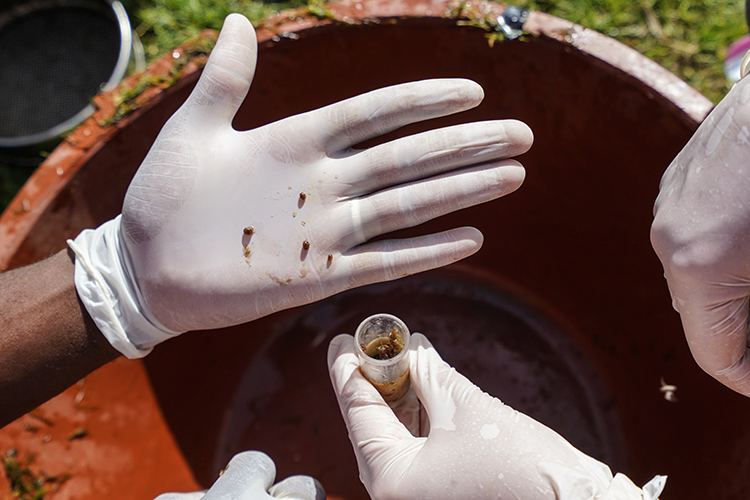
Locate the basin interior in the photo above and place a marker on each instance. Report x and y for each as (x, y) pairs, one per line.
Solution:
(575, 236)
(566, 290)
(282, 402)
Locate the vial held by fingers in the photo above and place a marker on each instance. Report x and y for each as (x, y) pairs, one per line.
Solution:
(382, 343)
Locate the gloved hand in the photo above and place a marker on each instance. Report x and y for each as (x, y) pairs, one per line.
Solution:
(476, 447)
(220, 227)
(249, 476)
(701, 233)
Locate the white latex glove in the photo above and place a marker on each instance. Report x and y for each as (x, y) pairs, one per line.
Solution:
(476, 447)
(250, 476)
(178, 259)
(701, 233)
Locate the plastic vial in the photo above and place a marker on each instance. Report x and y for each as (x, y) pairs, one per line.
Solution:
(382, 342)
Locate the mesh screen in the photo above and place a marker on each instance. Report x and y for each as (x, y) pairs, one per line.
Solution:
(52, 62)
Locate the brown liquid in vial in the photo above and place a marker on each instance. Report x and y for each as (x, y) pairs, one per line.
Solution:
(393, 391)
(387, 347)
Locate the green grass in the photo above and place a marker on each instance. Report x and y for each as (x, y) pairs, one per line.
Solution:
(165, 24)
(688, 37)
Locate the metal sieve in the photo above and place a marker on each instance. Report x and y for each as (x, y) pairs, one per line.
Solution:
(55, 56)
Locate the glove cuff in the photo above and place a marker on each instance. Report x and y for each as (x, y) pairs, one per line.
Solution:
(104, 282)
(622, 487)
(593, 480)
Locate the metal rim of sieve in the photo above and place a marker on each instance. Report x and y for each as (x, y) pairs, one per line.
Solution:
(127, 40)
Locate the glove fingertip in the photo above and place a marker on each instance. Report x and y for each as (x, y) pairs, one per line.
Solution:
(195, 495)
(226, 79)
(342, 362)
(471, 238)
(238, 28)
(298, 488)
(419, 339)
(421, 349)
(340, 344)
(236, 19)
(472, 91)
(245, 470)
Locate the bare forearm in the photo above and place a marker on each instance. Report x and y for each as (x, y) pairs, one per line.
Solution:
(47, 339)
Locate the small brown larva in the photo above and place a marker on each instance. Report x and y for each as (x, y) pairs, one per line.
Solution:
(669, 391)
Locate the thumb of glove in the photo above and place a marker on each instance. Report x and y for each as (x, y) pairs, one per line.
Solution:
(298, 488)
(227, 76)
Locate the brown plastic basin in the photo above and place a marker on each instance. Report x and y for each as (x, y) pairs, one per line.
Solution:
(563, 314)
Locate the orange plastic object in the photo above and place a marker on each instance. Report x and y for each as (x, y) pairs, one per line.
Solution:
(563, 314)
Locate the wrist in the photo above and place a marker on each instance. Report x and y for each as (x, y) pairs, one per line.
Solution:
(105, 283)
(47, 339)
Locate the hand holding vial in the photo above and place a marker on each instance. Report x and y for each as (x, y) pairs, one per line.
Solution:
(474, 447)
(220, 227)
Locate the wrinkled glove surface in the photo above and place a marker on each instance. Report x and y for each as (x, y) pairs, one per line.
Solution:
(250, 476)
(476, 447)
(220, 227)
(701, 233)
